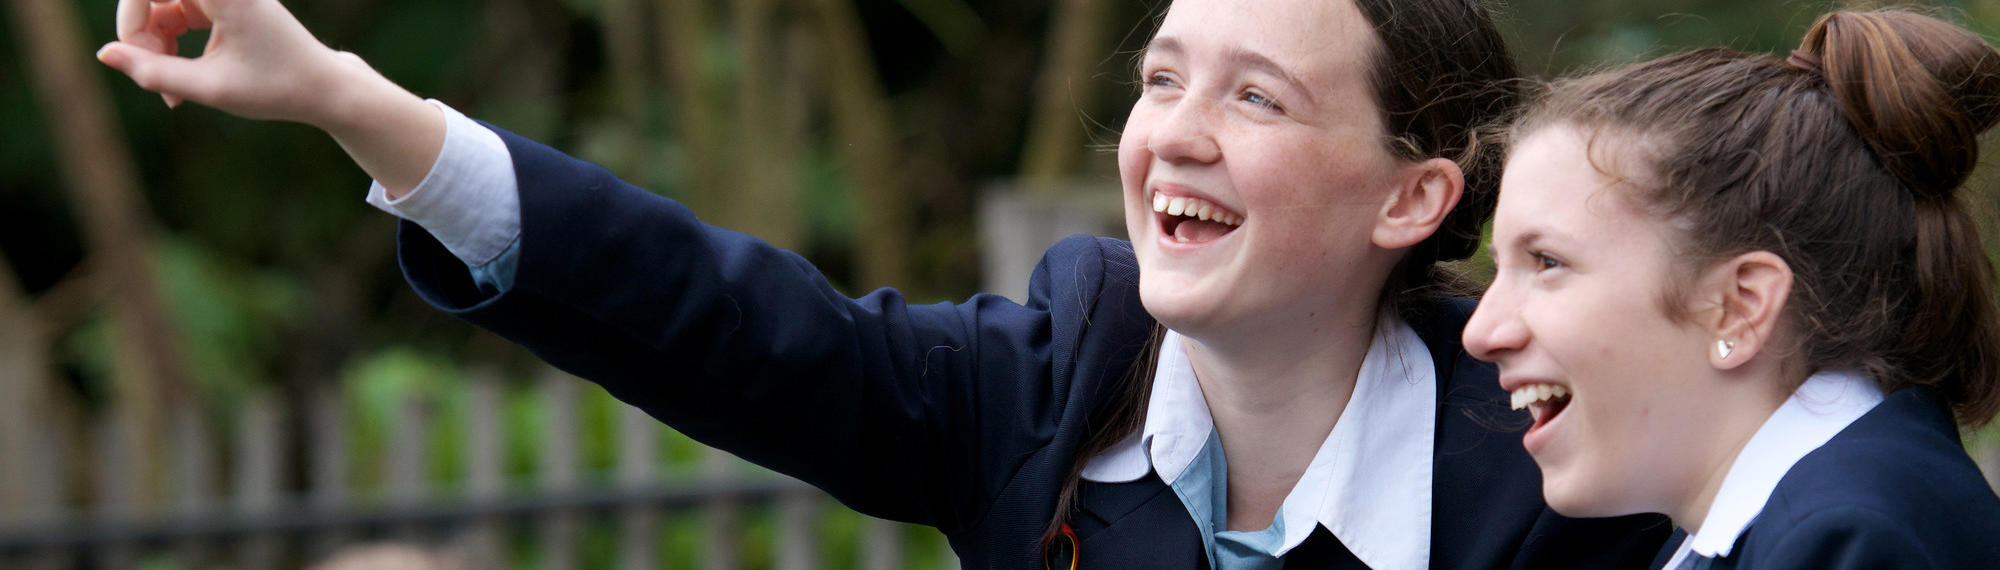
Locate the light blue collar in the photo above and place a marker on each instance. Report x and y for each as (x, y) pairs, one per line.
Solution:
(1369, 483)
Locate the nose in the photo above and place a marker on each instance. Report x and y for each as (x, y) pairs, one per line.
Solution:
(1496, 328)
(1186, 133)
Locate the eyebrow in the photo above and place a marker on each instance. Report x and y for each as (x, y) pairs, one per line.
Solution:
(1241, 57)
(1523, 241)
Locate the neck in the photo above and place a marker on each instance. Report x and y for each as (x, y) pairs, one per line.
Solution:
(1736, 419)
(1274, 396)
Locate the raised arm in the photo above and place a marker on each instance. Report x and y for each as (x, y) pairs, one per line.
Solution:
(260, 63)
(937, 414)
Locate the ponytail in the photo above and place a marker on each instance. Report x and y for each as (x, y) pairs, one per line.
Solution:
(1919, 91)
(1953, 338)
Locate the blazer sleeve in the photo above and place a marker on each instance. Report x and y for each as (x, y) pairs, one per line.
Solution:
(916, 413)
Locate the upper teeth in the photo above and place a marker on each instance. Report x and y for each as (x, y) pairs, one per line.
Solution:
(1194, 208)
(1532, 393)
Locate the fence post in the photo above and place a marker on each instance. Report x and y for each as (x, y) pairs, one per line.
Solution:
(485, 481)
(260, 455)
(798, 544)
(638, 468)
(883, 549)
(721, 516)
(329, 490)
(48, 480)
(1016, 226)
(116, 494)
(559, 530)
(409, 447)
(31, 452)
(194, 476)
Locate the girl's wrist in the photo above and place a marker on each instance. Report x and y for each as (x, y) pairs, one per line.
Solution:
(351, 99)
(389, 132)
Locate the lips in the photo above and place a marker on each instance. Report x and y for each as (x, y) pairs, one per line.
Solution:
(1192, 219)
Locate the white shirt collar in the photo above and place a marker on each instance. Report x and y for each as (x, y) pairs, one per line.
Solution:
(1819, 409)
(1370, 482)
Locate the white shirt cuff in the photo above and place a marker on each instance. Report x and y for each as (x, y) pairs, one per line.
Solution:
(469, 200)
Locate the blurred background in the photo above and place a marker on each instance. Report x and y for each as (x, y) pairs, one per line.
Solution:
(208, 358)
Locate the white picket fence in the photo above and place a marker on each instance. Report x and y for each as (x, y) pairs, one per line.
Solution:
(260, 514)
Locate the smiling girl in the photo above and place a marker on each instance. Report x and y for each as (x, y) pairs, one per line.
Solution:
(1744, 291)
(1265, 375)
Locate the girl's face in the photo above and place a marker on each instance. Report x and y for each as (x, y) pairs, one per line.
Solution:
(1254, 165)
(1576, 308)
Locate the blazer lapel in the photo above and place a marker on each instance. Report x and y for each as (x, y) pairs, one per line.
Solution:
(1140, 524)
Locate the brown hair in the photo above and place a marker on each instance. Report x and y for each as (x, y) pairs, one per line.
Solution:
(1845, 160)
(1440, 71)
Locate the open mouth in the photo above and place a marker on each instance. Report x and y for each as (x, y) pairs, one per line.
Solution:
(1543, 401)
(1193, 220)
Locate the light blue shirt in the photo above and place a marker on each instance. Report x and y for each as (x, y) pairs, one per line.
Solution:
(1204, 489)
(1369, 484)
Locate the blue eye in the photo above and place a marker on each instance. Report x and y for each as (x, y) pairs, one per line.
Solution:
(1159, 80)
(1261, 100)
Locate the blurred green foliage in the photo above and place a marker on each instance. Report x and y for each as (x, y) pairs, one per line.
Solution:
(279, 277)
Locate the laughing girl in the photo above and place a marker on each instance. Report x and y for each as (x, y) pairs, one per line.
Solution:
(1743, 291)
(1267, 374)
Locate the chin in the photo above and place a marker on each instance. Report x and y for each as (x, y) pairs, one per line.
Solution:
(1173, 302)
(1576, 501)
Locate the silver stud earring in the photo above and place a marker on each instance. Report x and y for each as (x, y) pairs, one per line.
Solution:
(1723, 348)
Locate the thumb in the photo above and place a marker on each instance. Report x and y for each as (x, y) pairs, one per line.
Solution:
(172, 76)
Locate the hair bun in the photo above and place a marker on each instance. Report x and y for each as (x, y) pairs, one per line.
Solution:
(1918, 89)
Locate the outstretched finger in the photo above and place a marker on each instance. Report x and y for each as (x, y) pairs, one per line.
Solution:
(173, 77)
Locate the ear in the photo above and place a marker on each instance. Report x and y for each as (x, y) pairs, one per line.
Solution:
(1750, 290)
(1419, 204)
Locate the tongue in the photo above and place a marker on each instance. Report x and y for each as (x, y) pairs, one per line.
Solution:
(1550, 409)
(1200, 230)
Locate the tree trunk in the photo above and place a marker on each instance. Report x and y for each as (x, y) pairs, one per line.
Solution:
(100, 178)
(767, 205)
(863, 132)
(625, 45)
(1064, 91)
(683, 40)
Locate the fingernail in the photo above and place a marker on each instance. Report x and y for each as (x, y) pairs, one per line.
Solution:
(172, 101)
(111, 56)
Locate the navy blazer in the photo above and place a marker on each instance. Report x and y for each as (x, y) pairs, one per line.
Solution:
(961, 416)
(1893, 490)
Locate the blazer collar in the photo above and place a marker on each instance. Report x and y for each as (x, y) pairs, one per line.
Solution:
(1826, 404)
(1370, 481)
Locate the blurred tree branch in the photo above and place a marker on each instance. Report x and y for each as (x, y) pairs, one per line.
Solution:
(766, 206)
(1064, 90)
(863, 134)
(683, 42)
(100, 178)
(624, 23)
(60, 307)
